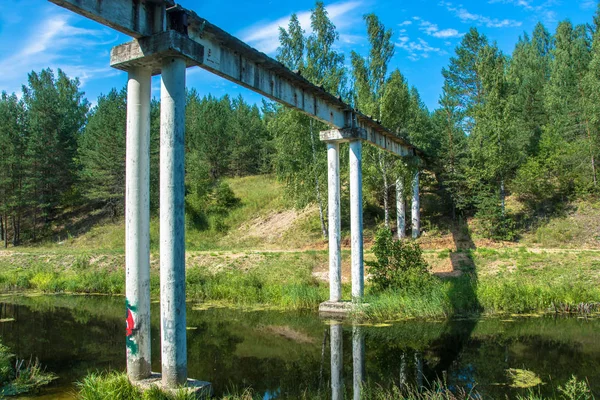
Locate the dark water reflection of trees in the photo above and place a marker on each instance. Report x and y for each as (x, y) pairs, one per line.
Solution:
(289, 354)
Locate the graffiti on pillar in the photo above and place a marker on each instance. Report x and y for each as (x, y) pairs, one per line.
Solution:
(130, 328)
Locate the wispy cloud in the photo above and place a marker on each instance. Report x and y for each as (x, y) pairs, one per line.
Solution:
(55, 42)
(587, 4)
(467, 17)
(432, 29)
(416, 49)
(542, 11)
(265, 36)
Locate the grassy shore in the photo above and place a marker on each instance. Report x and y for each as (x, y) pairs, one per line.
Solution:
(270, 255)
(116, 386)
(20, 376)
(482, 281)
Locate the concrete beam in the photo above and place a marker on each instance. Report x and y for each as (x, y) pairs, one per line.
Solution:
(232, 59)
(149, 52)
(132, 17)
(394, 145)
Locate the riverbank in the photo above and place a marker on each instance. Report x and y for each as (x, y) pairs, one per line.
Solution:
(473, 282)
(288, 353)
(110, 386)
(19, 376)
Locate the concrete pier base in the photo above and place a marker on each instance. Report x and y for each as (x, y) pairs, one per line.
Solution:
(339, 309)
(201, 389)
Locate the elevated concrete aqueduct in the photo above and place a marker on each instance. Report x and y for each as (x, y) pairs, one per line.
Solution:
(167, 40)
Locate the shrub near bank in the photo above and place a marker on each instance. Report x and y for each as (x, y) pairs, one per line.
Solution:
(20, 376)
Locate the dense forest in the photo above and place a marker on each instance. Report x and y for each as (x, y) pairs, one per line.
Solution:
(524, 126)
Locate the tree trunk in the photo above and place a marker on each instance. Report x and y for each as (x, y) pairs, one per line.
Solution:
(400, 209)
(502, 196)
(317, 185)
(386, 189)
(4, 230)
(591, 152)
(15, 231)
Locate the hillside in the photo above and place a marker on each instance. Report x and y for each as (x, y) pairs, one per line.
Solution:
(266, 220)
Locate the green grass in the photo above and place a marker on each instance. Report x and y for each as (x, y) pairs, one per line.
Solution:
(116, 386)
(501, 281)
(277, 280)
(260, 196)
(20, 376)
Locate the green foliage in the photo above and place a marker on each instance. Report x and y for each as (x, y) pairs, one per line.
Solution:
(399, 264)
(21, 376)
(208, 208)
(576, 390)
(102, 152)
(494, 223)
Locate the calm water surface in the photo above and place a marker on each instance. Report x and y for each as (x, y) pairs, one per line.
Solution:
(283, 355)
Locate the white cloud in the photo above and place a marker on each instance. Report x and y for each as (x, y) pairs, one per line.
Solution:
(265, 36)
(405, 23)
(432, 29)
(587, 4)
(542, 11)
(467, 17)
(417, 49)
(54, 42)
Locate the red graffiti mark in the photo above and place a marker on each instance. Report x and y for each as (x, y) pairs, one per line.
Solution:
(130, 323)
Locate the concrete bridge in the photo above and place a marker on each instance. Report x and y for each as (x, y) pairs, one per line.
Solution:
(167, 39)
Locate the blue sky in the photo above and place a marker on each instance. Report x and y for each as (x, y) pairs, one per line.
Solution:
(36, 34)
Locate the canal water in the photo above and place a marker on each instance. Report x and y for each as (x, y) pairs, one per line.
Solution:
(288, 355)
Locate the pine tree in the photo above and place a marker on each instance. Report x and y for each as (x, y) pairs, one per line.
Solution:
(102, 152)
(56, 114)
(463, 79)
(13, 165)
(370, 81)
(528, 74)
(321, 64)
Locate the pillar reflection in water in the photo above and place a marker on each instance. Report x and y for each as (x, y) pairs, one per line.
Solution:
(358, 360)
(337, 361)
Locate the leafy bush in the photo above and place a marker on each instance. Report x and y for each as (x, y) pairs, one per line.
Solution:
(494, 223)
(216, 201)
(399, 265)
(19, 376)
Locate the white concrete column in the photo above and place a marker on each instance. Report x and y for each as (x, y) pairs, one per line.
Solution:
(358, 360)
(416, 205)
(335, 252)
(137, 225)
(337, 361)
(419, 377)
(172, 224)
(356, 220)
(400, 208)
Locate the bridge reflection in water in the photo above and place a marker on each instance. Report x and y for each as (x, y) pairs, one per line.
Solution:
(358, 363)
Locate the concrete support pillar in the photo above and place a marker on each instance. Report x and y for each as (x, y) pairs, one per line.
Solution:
(400, 208)
(419, 370)
(137, 225)
(403, 380)
(358, 360)
(335, 252)
(172, 224)
(416, 206)
(356, 219)
(337, 362)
